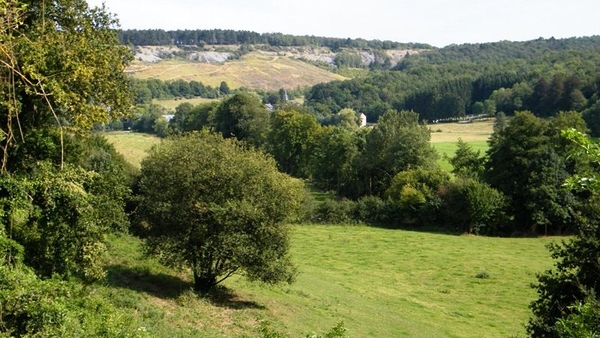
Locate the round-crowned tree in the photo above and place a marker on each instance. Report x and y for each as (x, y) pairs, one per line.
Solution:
(219, 208)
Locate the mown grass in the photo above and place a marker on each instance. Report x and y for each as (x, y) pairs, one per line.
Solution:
(256, 71)
(444, 137)
(380, 283)
(447, 150)
(133, 146)
(468, 132)
(170, 105)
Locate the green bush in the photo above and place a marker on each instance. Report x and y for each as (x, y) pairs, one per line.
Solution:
(371, 209)
(471, 206)
(412, 197)
(335, 212)
(584, 320)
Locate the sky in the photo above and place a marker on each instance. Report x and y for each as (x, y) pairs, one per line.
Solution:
(436, 22)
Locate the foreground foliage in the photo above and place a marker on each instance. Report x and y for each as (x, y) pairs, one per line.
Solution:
(61, 193)
(567, 305)
(34, 307)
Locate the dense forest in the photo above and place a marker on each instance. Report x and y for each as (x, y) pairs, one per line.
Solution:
(201, 37)
(543, 76)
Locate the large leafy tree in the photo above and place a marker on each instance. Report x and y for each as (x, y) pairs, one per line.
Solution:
(332, 162)
(567, 304)
(292, 139)
(526, 164)
(397, 143)
(220, 212)
(61, 64)
(61, 72)
(244, 117)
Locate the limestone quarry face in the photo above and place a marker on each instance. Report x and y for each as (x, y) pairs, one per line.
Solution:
(209, 57)
(159, 53)
(308, 53)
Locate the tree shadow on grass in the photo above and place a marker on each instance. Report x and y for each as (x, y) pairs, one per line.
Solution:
(171, 287)
(223, 297)
(433, 229)
(138, 279)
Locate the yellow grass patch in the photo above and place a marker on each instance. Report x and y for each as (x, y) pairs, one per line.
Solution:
(468, 132)
(133, 146)
(172, 104)
(253, 70)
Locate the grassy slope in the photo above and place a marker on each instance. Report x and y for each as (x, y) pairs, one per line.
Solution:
(445, 135)
(380, 283)
(134, 146)
(253, 70)
(170, 105)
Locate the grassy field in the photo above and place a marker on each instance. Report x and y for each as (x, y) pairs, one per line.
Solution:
(444, 137)
(134, 146)
(170, 105)
(380, 283)
(468, 132)
(253, 70)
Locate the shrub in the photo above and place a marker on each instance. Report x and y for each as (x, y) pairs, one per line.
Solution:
(335, 212)
(371, 209)
(412, 196)
(482, 275)
(471, 206)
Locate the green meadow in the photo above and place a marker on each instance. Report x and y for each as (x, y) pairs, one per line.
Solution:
(134, 146)
(378, 282)
(170, 105)
(444, 137)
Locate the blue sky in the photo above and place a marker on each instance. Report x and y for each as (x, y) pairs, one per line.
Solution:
(436, 22)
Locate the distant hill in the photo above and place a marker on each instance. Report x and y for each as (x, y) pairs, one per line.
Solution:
(262, 67)
(201, 37)
(255, 70)
(544, 76)
(267, 61)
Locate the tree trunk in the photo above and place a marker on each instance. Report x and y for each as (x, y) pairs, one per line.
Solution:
(203, 284)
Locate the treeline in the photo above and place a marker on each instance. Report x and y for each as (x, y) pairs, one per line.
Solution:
(388, 174)
(147, 90)
(201, 37)
(473, 79)
(504, 50)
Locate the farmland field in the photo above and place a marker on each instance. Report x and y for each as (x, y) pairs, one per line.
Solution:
(170, 105)
(468, 132)
(444, 137)
(380, 283)
(133, 146)
(253, 70)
